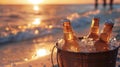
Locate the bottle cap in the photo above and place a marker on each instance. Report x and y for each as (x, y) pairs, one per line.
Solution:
(109, 21)
(98, 17)
(65, 20)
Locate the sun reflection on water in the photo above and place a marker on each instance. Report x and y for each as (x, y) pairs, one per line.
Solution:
(42, 52)
(36, 32)
(37, 21)
(36, 7)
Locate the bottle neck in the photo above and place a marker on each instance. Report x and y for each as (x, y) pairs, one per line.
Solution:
(94, 29)
(95, 26)
(69, 36)
(95, 22)
(68, 32)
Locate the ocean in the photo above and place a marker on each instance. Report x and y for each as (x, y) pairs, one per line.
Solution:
(24, 29)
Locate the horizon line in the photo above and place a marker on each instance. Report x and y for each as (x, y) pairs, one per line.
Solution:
(60, 4)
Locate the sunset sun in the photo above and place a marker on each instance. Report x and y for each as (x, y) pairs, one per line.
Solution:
(36, 1)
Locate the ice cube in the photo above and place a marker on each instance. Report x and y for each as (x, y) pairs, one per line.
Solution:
(61, 43)
(114, 43)
(87, 45)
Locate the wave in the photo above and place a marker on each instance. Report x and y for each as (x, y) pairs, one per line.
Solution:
(78, 19)
(15, 34)
(11, 18)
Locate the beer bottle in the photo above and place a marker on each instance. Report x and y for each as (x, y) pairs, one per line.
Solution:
(103, 43)
(94, 31)
(71, 41)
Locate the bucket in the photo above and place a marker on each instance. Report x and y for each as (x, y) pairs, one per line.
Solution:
(78, 59)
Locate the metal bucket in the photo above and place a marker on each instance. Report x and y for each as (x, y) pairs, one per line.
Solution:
(97, 59)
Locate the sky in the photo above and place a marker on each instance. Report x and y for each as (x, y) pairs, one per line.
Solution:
(51, 1)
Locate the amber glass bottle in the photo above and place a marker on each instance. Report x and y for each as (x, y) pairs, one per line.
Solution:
(71, 41)
(103, 43)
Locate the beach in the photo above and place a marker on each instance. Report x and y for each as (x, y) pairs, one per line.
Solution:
(27, 32)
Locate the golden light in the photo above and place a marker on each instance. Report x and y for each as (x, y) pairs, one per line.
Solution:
(36, 8)
(29, 25)
(42, 52)
(37, 21)
(19, 27)
(36, 1)
(70, 37)
(50, 26)
(25, 59)
(36, 32)
(7, 28)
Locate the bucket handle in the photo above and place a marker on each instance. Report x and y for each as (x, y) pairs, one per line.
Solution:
(52, 56)
(53, 65)
(55, 46)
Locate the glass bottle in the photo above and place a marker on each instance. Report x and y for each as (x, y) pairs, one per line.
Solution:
(71, 41)
(103, 43)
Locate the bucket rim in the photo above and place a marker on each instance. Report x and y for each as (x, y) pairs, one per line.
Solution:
(87, 52)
